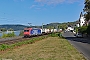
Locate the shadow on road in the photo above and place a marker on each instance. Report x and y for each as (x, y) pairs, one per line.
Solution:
(82, 40)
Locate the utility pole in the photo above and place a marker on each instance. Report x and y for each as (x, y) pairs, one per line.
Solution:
(30, 24)
(42, 28)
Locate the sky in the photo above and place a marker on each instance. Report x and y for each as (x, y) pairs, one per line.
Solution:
(37, 12)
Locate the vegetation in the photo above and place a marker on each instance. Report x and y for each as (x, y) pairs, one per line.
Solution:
(3, 29)
(51, 48)
(76, 29)
(10, 29)
(83, 29)
(50, 26)
(62, 26)
(88, 30)
(14, 27)
(87, 10)
(56, 35)
(8, 35)
(5, 46)
(21, 33)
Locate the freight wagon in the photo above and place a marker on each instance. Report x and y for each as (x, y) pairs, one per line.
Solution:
(28, 32)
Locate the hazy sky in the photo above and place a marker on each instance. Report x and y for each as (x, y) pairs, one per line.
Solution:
(37, 12)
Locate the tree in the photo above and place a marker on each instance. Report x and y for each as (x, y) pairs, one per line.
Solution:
(10, 29)
(3, 29)
(87, 10)
(62, 26)
(83, 29)
(88, 30)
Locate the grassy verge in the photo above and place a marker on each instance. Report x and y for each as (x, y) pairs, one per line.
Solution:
(51, 48)
(5, 46)
(32, 40)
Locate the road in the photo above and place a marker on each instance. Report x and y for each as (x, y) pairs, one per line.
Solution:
(81, 44)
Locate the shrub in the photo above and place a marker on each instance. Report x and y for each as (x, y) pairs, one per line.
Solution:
(21, 33)
(8, 35)
(11, 34)
(4, 35)
(54, 34)
(83, 29)
(88, 30)
(3, 47)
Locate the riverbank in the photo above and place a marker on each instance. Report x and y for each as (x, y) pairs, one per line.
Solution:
(16, 33)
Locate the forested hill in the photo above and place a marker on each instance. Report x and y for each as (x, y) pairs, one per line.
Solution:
(61, 25)
(14, 27)
(50, 25)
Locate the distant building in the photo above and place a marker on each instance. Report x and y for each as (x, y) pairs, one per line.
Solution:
(78, 25)
(81, 21)
(70, 29)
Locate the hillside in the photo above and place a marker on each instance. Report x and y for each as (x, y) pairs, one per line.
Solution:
(50, 25)
(15, 27)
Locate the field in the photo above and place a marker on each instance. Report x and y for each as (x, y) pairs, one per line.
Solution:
(51, 48)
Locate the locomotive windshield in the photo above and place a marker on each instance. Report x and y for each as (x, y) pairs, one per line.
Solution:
(26, 30)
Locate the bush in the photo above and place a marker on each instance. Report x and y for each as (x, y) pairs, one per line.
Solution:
(8, 35)
(88, 30)
(83, 29)
(3, 47)
(21, 33)
(32, 40)
(11, 34)
(55, 34)
(4, 35)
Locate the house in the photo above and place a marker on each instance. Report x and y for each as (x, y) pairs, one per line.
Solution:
(70, 29)
(81, 21)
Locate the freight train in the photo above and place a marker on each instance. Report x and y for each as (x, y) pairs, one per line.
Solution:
(29, 32)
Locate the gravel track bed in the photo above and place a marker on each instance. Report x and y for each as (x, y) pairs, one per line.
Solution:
(12, 41)
(15, 39)
(10, 38)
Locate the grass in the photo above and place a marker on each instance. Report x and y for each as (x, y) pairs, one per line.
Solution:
(51, 48)
(4, 47)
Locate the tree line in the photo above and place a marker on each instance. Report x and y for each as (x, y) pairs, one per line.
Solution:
(86, 29)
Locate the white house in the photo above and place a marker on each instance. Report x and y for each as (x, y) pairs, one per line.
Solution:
(81, 20)
(78, 25)
(70, 28)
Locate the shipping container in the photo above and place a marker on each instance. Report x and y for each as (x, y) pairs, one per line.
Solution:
(35, 31)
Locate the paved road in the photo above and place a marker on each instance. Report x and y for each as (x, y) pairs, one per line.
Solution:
(81, 44)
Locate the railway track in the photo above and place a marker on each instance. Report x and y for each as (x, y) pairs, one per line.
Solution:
(16, 39)
(12, 41)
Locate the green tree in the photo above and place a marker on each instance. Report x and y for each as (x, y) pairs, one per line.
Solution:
(88, 29)
(76, 29)
(63, 26)
(10, 29)
(83, 29)
(3, 29)
(87, 9)
(8, 35)
(50, 27)
(21, 33)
